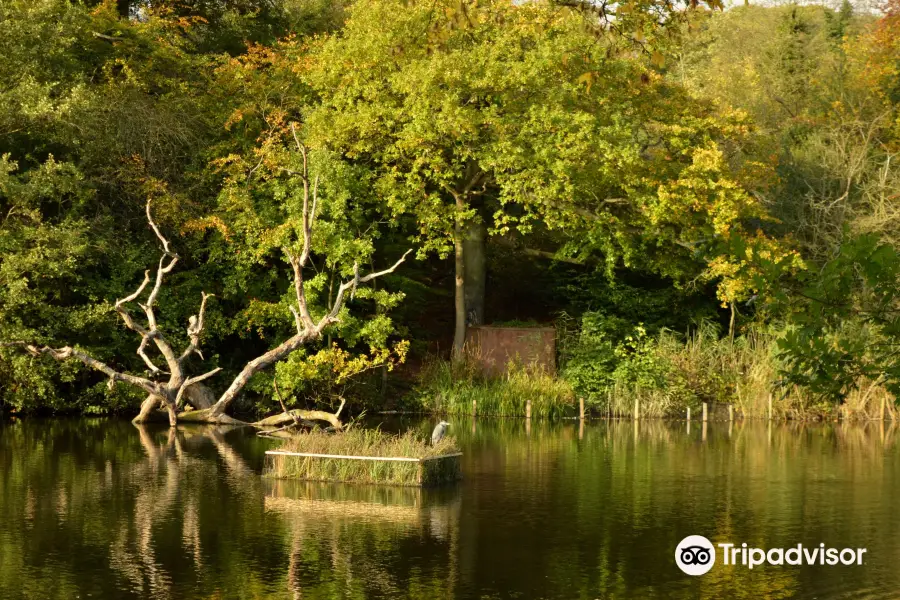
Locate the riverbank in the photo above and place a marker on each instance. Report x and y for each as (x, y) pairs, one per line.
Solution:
(662, 376)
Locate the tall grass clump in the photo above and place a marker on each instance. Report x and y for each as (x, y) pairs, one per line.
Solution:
(366, 443)
(668, 372)
(451, 387)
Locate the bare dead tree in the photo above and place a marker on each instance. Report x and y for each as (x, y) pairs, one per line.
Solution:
(169, 394)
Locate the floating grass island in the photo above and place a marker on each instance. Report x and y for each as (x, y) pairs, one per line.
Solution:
(365, 456)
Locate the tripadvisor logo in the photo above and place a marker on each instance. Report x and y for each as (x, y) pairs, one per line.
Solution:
(695, 555)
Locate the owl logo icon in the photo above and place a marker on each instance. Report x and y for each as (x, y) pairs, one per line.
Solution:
(695, 555)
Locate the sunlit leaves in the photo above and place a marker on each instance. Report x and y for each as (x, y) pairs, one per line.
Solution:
(562, 132)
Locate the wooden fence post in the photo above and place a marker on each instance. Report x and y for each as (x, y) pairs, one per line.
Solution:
(528, 409)
(704, 412)
(637, 409)
(581, 408)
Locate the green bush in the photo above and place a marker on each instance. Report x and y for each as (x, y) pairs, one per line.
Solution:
(605, 354)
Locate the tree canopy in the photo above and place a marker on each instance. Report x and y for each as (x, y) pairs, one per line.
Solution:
(744, 158)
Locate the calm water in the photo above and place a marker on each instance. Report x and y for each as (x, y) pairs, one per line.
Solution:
(104, 509)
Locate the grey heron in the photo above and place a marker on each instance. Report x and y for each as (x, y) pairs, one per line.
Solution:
(438, 434)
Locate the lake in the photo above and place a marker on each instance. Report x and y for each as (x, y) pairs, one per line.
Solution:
(99, 508)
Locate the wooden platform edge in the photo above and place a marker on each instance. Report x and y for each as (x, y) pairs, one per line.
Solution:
(385, 458)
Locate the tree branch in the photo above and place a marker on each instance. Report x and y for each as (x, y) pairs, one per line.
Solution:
(67, 352)
(297, 320)
(308, 218)
(258, 364)
(145, 339)
(191, 381)
(131, 324)
(164, 241)
(162, 270)
(281, 401)
(331, 317)
(304, 318)
(195, 328)
(108, 38)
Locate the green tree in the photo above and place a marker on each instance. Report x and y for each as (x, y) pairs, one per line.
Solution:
(499, 117)
(90, 106)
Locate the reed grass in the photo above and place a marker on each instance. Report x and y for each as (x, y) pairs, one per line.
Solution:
(366, 443)
(450, 388)
(671, 373)
(744, 371)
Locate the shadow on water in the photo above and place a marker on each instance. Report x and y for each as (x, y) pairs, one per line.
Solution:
(101, 508)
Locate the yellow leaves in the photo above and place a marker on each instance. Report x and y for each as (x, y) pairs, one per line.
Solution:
(586, 79)
(236, 117)
(342, 364)
(657, 59)
(206, 223)
(760, 259)
(225, 161)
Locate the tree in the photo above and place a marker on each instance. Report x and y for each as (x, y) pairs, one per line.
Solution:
(297, 248)
(78, 132)
(819, 83)
(96, 114)
(493, 117)
(844, 322)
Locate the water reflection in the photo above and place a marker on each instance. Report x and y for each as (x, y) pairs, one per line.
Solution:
(573, 510)
(345, 523)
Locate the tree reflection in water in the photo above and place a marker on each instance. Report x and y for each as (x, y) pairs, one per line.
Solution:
(165, 513)
(100, 508)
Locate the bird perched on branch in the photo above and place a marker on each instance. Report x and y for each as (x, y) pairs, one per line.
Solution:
(438, 434)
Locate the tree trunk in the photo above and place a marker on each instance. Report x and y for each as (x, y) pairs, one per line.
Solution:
(459, 332)
(211, 417)
(199, 396)
(258, 364)
(148, 406)
(475, 272)
(173, 417)
(307, 415)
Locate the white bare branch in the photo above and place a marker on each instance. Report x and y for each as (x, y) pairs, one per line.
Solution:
(191, 381)
(151, 332)
(164, 241)
(258, 364)
(142, 352)
(131, 324)
(297, 319)
(195, 328)
(162, 270)
(351, 285)
(136, 293)
(304, 318)
(308, 219)
(67, 352)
